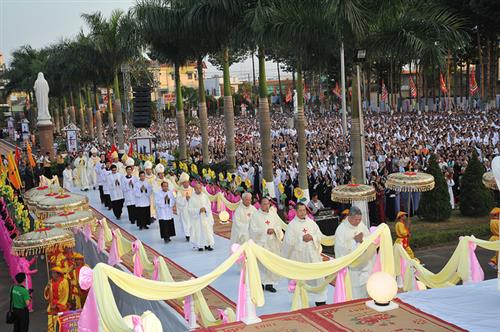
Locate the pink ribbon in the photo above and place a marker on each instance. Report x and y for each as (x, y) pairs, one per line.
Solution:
(187, 307)
(241, 309)
(223, 316)
(339, 293)
(89, 317)
(377, 267)
(87, 232)
(156, 270)
(114, 256)
(477, 273)
(137, 322)
(138, 268)
(101, 245)
(402, 264)
(291, 285)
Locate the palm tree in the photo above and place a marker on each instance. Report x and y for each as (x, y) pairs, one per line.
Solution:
(162, 25)
(116, 41)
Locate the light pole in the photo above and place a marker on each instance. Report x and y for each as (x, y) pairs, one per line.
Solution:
(361, 58)
(342, 78)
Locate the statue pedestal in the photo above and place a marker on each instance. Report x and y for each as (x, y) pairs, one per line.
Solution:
(46, 138)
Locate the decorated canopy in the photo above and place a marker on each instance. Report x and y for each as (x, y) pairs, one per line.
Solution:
(410, 182)
(353, 192)
(70, 219)
(489, 181)
(52, 204)
(30, 195)
(42, 241)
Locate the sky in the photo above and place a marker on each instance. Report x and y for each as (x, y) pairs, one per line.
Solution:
(40, 23)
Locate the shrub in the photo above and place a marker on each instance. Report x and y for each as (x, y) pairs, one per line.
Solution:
(435, 204)
(475, 199)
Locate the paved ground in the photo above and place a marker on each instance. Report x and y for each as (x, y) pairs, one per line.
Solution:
(38, 318)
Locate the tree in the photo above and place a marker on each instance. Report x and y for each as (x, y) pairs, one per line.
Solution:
(163, 27)
(117, 42)
(475, 199)
(435, 204)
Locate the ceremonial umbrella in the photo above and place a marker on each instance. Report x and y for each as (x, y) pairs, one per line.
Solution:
(410, 182)
(52, 204)
(489, 181)
(70, 219)
(349, 193)
(30, 195)
(42, 241)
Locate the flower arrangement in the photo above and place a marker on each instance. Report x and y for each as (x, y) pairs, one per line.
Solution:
(281, 189)
(299, 195)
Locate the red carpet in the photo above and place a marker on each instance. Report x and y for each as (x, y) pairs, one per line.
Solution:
(349, 316)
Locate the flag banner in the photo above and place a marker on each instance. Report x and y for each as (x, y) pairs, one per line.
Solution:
(413, 88)
(473, 87)
(385, 93)
(444, 89)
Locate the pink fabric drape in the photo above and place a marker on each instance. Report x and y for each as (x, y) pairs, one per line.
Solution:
(101, 245)
(138, 268)
(340, 293)
(114, 256)
(89, 317)
(156, 270)
(477, 273)
(187, 307)
(137, 322)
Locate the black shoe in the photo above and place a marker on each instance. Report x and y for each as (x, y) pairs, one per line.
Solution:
(166, 240)
(146, 227)
(270, 288)
(132, 222)
(209, 248)
(318, 304)
(140, 228)
(118, 218)
(200, 249)
(109, 209)
(187, 238)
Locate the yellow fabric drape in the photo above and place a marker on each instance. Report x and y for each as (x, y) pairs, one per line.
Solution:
(457, 268)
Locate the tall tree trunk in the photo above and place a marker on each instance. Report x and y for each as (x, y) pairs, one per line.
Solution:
(356, 141)
(481, 64)
(181, 122)
(467, 81)
(433, 75)
(81, 116)
(56, 119)
(265, 125)
(461, 94)
(65, 111)
(72, 107)
(202, 107)
(98, 118)
(488, 71)
(118, 115)
(301, 135)
(279, 80)
(229, 115)
(90, 113)
(253, 71)
(110, 110)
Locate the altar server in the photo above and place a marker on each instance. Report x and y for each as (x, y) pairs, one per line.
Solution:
(303, 243)
(202, 221)
(349, 235)
(143, 191)
(165, 206)
(114, 181)
(241, 219)
(128, 190)
(265, 230)
(68, 178)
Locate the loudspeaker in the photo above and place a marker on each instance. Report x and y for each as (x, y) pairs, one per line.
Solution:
(141, 117)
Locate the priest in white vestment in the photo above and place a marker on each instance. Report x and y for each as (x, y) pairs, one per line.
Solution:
(93, 161)
(202, 221)
(265, 230)
(82, 178)
(241, 219)
(348, 236)
(183, 195)
(68, 178)
(302, 243)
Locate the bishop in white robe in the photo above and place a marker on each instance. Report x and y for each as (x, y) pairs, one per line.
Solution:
(302, 243)
(202, 221)
(349, 235)
(241, 220)
(82, 178)
(183, 195)
(265, 230)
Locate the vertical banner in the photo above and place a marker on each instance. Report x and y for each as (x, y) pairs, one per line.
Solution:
(72, 140)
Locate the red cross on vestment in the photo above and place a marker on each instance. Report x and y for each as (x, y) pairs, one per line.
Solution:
(304, 231)
(267, 222)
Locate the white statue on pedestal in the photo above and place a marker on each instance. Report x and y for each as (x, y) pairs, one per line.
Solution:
(41, 88)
